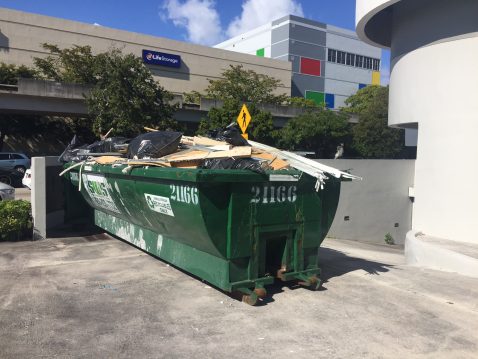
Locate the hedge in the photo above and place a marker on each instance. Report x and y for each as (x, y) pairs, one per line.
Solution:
(15, 219)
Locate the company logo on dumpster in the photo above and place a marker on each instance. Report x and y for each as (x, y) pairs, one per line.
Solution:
(159, 204)
(97, 189)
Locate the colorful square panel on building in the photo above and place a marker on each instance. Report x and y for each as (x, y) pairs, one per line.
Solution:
(361, 86)
(317, 97)
(376, 78)
(330, 100)
(309, 66)
(260, 52)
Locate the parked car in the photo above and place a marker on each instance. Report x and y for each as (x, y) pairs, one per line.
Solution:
(14, 161)
(11, 177)
(27, 179)
(6, 192)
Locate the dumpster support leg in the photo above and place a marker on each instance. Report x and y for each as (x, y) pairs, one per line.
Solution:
(250, 296)
(313, 282)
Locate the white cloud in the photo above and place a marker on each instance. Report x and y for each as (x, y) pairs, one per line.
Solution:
(259, 12)
(199, 17)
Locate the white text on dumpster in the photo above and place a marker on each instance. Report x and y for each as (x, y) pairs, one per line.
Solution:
(185, 194)
(273, 194)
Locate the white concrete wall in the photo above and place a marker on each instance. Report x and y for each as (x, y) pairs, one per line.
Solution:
(377, 203)
(446, 109)
(434, 82)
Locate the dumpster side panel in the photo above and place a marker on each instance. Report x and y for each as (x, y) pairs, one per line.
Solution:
(161, 205)
(204, 265)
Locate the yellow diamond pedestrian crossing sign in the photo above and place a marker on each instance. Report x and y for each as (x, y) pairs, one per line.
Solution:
(244, 118)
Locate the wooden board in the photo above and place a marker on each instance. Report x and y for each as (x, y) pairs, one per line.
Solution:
(236, 152)
(205, 141)
(275, 162)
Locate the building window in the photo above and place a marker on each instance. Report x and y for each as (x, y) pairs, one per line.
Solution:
(368, 63)
(346, 58)
(358, 61)
(341, 57)
(332, 55)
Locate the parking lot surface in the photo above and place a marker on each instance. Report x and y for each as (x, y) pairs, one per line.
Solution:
(98, 297)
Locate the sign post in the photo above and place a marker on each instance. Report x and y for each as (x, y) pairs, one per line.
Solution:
(243, 120)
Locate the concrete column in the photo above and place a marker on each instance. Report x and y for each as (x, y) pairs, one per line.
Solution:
(46, 196)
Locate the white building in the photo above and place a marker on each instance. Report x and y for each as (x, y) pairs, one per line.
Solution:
(434, 87)
(329, 63)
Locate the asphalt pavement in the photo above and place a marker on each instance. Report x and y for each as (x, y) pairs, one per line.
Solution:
(98, 297)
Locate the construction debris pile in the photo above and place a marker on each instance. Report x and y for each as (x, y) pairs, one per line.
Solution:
(227, 150)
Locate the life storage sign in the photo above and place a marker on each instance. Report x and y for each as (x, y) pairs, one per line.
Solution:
(160, 58)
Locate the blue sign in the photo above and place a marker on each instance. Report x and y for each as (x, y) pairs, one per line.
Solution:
(160, 58)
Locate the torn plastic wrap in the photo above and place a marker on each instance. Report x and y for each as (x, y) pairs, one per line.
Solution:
(235, 163)
(154, 144)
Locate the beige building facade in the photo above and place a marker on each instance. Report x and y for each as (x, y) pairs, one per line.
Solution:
(22, 34)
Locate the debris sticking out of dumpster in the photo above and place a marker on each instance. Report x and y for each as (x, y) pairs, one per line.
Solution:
(227, 149)
(237, 214)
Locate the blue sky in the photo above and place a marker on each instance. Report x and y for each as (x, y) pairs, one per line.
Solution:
(200, 21)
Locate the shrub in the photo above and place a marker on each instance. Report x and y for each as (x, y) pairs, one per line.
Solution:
(15, 219)
(389, 239)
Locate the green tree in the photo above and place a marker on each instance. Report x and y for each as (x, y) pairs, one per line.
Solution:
(245, 86)
(236, 87)
(9, 74)
(372, 137)
(126, 97)
(74, 65)
(318, 130)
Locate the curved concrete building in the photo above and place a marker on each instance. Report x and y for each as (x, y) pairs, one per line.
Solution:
(434, 87)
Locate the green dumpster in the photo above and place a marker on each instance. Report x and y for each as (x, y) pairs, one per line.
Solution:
(236, 229)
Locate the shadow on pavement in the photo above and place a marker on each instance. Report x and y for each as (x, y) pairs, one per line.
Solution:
(76, 229)
(335, 263)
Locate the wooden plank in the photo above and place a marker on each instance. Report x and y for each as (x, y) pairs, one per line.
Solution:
(147, 163)
(205, 141)
(106, 160)
(236, 152)
(275, 162)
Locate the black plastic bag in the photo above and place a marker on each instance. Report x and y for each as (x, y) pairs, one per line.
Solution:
(231, 134)
(74, 152)
(235, 164)
(108, 145)
(154, 144)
